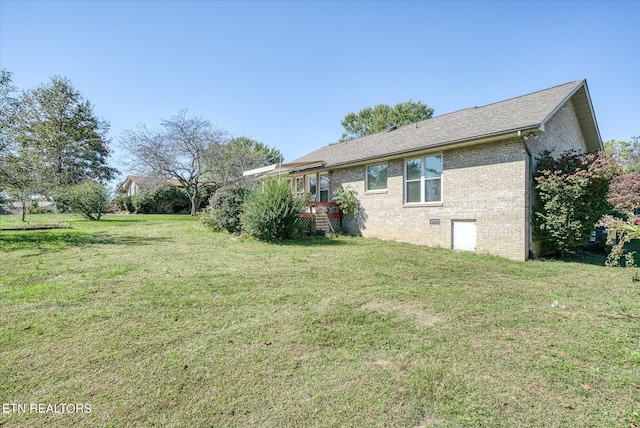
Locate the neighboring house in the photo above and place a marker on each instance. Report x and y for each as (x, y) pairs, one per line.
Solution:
(463, 180)
(132, 184)
(162, 199)
(11, 203)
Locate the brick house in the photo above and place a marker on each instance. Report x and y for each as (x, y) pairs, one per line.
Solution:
(462, 180)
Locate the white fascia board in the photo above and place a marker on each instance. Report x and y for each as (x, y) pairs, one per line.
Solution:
(282, 168)
(260, 170)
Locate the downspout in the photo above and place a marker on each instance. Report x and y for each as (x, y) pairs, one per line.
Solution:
(529, 184)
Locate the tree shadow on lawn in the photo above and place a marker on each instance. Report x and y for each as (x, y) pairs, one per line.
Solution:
(138, 219)
(54, 240)
(584, 257)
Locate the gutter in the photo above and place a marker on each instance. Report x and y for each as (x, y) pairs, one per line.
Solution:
(487, 138)
(529, 184)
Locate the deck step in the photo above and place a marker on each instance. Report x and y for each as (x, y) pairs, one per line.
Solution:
(323, 223)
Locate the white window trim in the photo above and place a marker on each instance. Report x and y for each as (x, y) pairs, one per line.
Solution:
(366, 180)
(313, 197)
(319, 184)
(295, 185)
(423, 181)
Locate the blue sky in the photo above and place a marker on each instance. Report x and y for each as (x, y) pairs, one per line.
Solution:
(286, 73)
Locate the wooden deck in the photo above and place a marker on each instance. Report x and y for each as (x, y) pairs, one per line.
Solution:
(326, 216)
(331, 209)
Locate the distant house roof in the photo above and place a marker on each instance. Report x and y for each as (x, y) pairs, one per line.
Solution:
(526, 113)
(138, 180)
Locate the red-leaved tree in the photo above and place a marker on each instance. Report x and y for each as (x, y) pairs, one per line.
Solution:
(624, 192)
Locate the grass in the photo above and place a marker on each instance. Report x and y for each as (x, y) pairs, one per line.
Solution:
(155, 321)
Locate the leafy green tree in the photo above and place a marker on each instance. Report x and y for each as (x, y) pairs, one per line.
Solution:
(371, 120)
(8, 106)
(125, 203)
(627, 153)
(240, 154)
(19, 177)
(572, 197)
(63, 137)
(89, 199)
(271, 211)
(12, 169)
(182, 148)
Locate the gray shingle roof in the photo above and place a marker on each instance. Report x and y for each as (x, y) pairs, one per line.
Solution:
(521, 113)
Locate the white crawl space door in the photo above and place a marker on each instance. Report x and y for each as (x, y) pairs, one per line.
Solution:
(464, 235)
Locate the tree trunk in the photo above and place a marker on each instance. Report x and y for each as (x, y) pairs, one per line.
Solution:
(24, 209)
(194, 200)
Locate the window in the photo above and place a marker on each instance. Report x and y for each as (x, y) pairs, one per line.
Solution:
(313, 187)
(324, 188)
(299, 190)
(433, 178)
(414, 180)
(423, 179)
(377, 177)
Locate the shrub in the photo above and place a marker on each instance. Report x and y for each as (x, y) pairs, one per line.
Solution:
(272, 211)
(226, 207)
(621, 232)
(347, 199)
(158, 197)
(206, 220)
(572, 196)
(90, 199)
(125, 203)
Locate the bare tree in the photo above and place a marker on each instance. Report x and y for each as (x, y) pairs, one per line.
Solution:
(181, 148)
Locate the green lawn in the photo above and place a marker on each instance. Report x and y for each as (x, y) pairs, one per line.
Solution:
(155, 321)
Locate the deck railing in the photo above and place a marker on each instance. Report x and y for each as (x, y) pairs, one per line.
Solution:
(331, 209)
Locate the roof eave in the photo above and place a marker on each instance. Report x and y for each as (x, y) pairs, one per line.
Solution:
(282, 168)
(596, 130)
(122, 187)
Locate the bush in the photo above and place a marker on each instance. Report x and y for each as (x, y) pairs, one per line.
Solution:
(621, 232)
(226, 207)
(125, 203)
(206, 220)
(347, 199)
(159, 198)
(272, 211)
(90, 199)
(572, 197)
